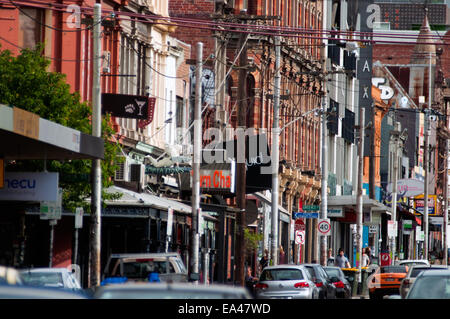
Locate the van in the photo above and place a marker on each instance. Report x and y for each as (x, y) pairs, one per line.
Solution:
(144, 267)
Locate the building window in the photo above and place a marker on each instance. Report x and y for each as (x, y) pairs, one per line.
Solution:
(31, 27)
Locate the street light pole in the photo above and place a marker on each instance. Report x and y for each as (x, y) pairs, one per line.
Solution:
(196, 162)
(95, 239)
(394, 187)
(275, 151)
(359, 200)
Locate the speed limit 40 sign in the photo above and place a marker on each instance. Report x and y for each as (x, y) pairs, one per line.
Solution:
(324, 227)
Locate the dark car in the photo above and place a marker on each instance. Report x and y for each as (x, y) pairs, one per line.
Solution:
(343, 287)
(322, 281)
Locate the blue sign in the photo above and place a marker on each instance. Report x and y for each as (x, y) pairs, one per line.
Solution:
(306, 215)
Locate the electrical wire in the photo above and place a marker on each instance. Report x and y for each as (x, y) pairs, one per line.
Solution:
(54, 28)
(200, 23)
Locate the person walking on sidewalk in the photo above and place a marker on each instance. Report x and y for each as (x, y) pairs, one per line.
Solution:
(341, 261)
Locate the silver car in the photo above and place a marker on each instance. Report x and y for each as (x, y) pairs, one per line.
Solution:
(412, 274)
(286, 282)
(431, 285)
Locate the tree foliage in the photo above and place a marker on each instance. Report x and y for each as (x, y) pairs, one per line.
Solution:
(25, 82)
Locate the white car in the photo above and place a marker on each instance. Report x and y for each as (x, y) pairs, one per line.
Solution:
(50, 277)
(413, 262)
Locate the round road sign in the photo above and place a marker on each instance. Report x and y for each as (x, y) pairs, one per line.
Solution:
(299, 225)
(324, 227)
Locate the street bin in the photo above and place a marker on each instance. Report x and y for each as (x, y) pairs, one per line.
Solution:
(364, 275)
(351, 275)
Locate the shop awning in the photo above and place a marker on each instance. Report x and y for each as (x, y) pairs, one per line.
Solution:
(25, 135)
(351, 202)
(144, 199)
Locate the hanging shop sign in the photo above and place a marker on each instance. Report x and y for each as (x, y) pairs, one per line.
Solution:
(52, 210)
(127, 106)
(419, 204)
(335, 212)
(30, 186)
(408, 187)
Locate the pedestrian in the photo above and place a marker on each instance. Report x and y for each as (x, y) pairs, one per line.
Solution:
(264, 260)
(282, 256)
(341, 261)
(250, 280)
(330, 259)
(365, 261)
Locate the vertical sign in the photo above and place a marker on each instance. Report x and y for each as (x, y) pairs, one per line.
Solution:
(169, 222)
(364, 65)
(79, 217)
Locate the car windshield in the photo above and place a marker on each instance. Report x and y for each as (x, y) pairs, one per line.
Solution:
(412, 263)
(46, 279)
(159, 294)
(142, 269)
(393, 269)
(431, 287)
(333, 272)
(281, 274)
(416, 271)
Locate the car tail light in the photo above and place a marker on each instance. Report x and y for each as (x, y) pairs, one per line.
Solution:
(261, 286)
(301, 285)
(319, 284)
(339, 284)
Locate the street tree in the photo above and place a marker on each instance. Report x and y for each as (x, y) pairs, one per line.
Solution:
(25, 82)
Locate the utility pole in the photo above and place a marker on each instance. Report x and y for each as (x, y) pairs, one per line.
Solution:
(324, 190)
(275, 151)
(196, 163)
(359, 200)
(241, 165)
(95, 238)
(445, 224)
(396, 133)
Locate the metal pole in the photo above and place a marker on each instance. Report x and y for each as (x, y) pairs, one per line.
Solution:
(359, 201)
(324, 190)
(445, 225)
(96, 166)
(392, 244)
(275, 151)
(75, 253)
(52, 223)
(197, 161)
(241, 166)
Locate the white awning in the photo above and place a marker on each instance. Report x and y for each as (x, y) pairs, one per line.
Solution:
(145, 199)
(351, 202)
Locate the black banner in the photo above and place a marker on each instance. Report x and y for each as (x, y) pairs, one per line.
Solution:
(127, 106)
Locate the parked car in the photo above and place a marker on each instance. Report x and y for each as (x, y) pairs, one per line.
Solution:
(144, 267)
(50, 277)
(322, 281)
(411, 276)
(431, 285)
(412, 262)
(386, 280)
(29, 292)
(286, 282)
(166, 290)
(343, 287)
(9, 276)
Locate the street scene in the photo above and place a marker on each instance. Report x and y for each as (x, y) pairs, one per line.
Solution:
(246, 149)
